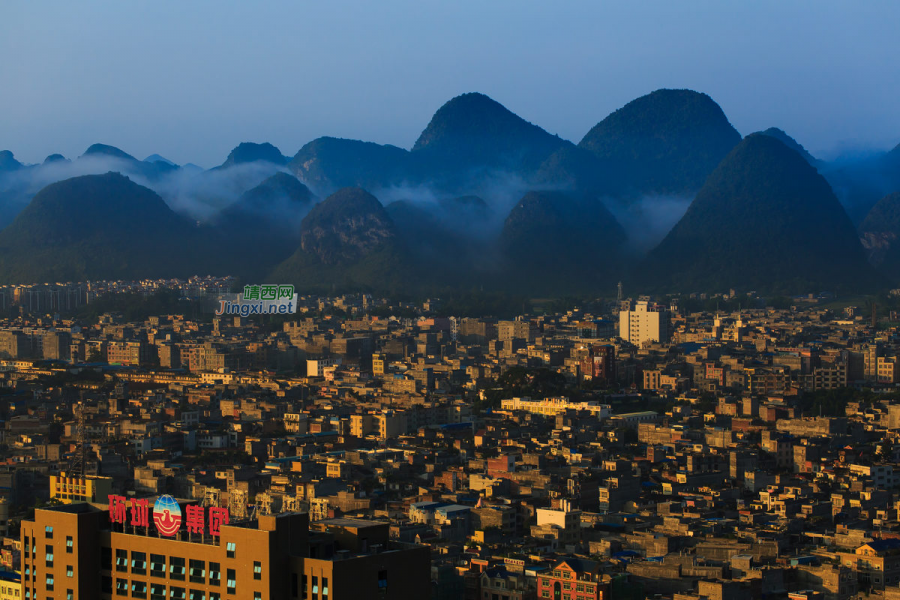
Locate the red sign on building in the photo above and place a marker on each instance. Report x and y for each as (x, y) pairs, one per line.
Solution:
(116, 509)
(140, 512)
(166, 515)
(217, 518)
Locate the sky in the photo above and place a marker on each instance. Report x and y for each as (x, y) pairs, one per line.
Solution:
(192, 79)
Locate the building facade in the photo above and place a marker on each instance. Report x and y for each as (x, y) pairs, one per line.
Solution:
(643, 322)
(83, 551)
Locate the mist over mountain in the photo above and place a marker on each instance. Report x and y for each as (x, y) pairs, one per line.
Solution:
(262, 228)
(102, 153)
(765, 220)
(189, 190)
(449, 241)
(666, 142)
(561, 242)
(346, 241)
(486, 199)
(879, 232)
(55, 158)
(8, 162)
(861, 182)
(99, 227)
(157, 158)
(278, 204)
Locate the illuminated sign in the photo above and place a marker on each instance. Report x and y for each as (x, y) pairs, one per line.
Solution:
(167, 516)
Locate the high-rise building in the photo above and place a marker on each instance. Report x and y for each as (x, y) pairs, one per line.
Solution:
(168, 549)
(643, 321)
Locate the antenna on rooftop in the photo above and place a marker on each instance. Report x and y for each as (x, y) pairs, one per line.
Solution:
(619, 296)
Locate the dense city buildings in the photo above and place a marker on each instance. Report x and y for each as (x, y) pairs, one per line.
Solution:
(343, 452)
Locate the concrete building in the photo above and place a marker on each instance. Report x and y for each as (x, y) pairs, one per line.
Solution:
(69, 490)
(82, 551)
(643, 322)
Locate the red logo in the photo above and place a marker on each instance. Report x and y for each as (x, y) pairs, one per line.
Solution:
(167, 515)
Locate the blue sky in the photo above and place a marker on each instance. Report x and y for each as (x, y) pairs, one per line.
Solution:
(191, 79)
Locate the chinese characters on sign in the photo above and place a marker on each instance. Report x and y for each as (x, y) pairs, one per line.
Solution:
(166, 515)
(268, 292)
(140, 513)
(263, 299)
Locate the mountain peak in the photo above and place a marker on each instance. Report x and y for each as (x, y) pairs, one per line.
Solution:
(8, 162)
(760, 222)
(473, 134)
(476, 115)
(665, 142)
(347, 239)
(248, 152)
(95, 227)
(157, 158)
(104, 149)
(329, 164)
(791, 143)
(55, 158)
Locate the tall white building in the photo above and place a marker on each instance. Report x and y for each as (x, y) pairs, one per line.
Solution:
(644, 321)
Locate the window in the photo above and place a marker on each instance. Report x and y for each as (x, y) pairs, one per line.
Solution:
(257, 569)
(121, 560)
(157, 567)
(49, 583)
(176, 568)
(48, 532)
(315, 586)
(70, 595)
(70, 572)
(231, 581)
(157, 592)
(176, 593)
(139, 563)
(121, 587)
(215, 596)
(196, 595)
(69, 544)
(198, 571)
(229, 549)
(304, 587)
(49, 556)
(138, 589)
(257, 595)
(215, 574)
(324, 586)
